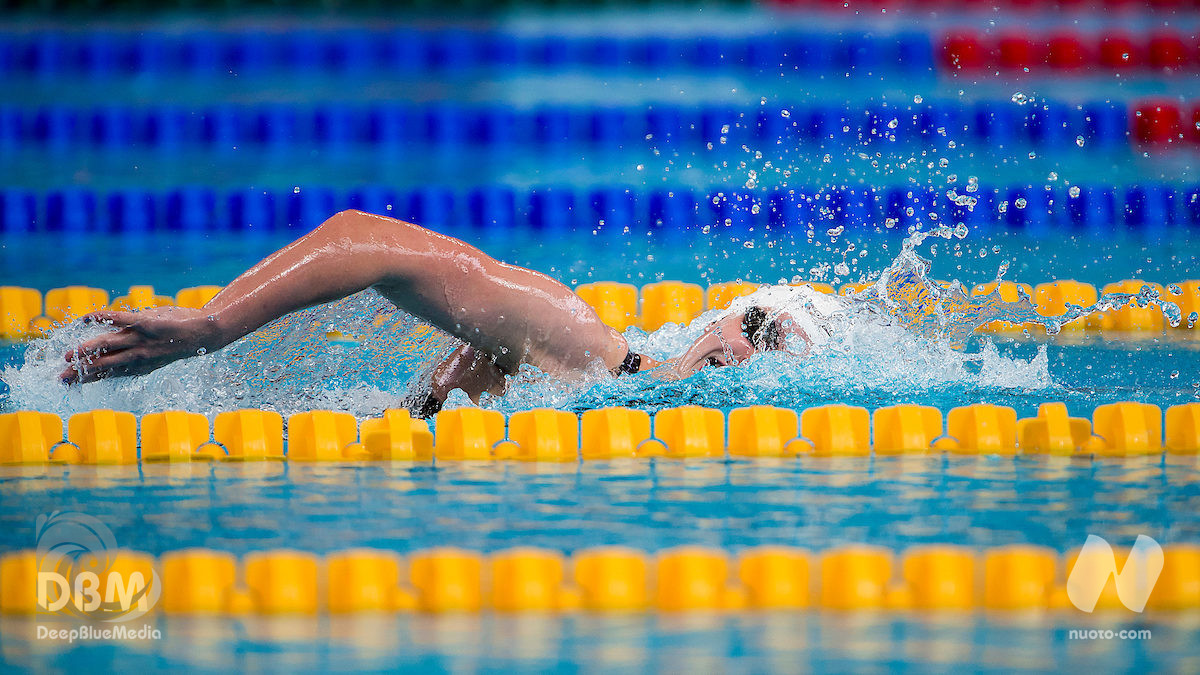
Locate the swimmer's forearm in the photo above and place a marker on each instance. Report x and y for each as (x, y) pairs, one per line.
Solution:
(348, 253)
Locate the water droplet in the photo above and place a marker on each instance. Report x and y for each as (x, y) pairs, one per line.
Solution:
(1052, 176)
(1020, 202)
(893, 124)
(841, 269)
(918, 99)
(785, 113)
(1020, 99)
(1073, 191)
(1079, 141)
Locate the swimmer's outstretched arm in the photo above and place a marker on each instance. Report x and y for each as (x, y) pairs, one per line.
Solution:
(511, 314)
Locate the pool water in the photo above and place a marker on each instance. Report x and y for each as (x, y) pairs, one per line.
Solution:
(648, 504)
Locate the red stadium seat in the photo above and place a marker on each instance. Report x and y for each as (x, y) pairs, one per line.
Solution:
(1167, 51)
(1157, 122)
(1066, 52)
(1016, 52)
(1119, 52)
(961, 51)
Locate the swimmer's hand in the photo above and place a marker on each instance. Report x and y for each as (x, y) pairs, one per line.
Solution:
(145, 341)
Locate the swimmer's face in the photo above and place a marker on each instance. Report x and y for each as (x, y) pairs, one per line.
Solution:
(733, 339)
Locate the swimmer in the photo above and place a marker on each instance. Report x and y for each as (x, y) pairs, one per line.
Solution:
(505, 315)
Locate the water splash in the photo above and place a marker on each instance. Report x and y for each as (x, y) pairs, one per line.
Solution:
(902, 337)
(359, 354)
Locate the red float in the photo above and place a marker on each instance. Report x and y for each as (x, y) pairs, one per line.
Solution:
(1066, 52)
(1015, 52)
(1119, 52)
(963, 52)
(1167, 51)
(1157, 122)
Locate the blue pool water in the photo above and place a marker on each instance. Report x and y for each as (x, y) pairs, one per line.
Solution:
(58, 226)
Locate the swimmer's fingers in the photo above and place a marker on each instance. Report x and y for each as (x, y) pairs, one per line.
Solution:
(103, 344)
(112, 318)
(111, 364)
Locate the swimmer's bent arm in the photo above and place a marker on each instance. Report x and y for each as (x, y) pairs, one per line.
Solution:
(507, 312)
